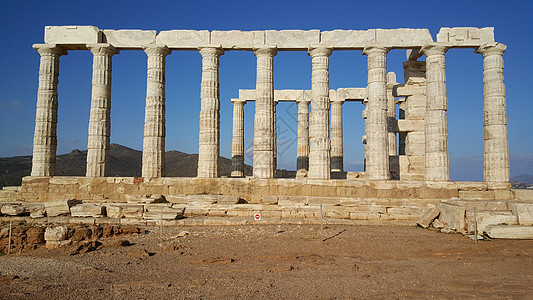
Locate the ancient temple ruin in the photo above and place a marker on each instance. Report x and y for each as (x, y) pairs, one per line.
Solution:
(406, 156)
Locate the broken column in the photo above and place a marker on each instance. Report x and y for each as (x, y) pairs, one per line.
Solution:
(45, 136)
(496, 148)
(237, 144)
(153, 161)
(264, 139)
(376, 150)
(336, 136)
(302, 148)
(99, 120)
(436, 136)
(320, 147)
(209, 139)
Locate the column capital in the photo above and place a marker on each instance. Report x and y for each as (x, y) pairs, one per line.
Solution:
(156, 49)
(376, 49)
(102, 49)
(211, 50)
(50, 49)
(298, 101)
(435, 48)
(238, 101)
(491, 49)
(319, 50)
(265, 50)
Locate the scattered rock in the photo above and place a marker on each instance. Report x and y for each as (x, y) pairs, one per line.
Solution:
(119, 243)
(35, 235)
(437, 224)
(38, 213)
(428, 216)
(13, 209)
(58, 233)
(183, 233)
(139, 253)
(87, 246)
(452, 216)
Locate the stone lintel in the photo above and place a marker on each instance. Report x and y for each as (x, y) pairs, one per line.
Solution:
(403, 90)
(351, 94)
(292, 39)
(129, 39)
(467, 37)
(184, 39)
(72, 37)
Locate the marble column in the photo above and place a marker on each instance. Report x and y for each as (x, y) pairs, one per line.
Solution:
(394, 165)
(336, 137)
(45, 136)
(153, 161)
(320, 145)
(237, 145)
(209, 139)
(436, 132)
(302, 148)
(496, 148)
(264, 139)
(377, 145)
(99, 120)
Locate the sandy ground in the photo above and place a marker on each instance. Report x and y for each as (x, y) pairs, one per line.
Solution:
(289, 261)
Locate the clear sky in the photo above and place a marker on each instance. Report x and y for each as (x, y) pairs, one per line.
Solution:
(22, 24)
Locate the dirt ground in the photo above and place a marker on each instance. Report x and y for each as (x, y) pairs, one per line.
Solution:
(288, 261)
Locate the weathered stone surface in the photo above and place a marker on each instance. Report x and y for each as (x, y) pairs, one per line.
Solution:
(94, 210)
(129, 39)
(114, 211)
(510, 232)
(292, 39)
(488, 218)
(524, 195)
(58, 208)
(237, 39)
(132, 211)
(358, 39)
(430, 214)
(77, 35)
(183, 39)
(523, 211)
(403, 37)
(58, 233)
(452, 216)
(163, 212)
(466, 36)
(13, 209)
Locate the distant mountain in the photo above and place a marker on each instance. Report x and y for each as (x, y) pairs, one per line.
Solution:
(524, 178)
(123, 162)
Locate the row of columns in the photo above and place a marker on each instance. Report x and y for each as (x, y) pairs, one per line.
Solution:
(318, 147)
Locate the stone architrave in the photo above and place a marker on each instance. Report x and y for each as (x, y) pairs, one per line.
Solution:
(237, 144)
(264, 139)
(99, 120)
(153, 161)
(320, 145)
(336, 136)
(302, 148)
(376, 150)
(45, 136)
(496, 153)
(209, 138)
(436, 156)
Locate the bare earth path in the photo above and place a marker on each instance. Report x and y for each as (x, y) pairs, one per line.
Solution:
(288, 261)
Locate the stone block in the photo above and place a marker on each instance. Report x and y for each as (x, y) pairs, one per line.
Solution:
(429, 215)
(58, 208)
(93, 210)
(486, 218)
(237, 39)
(523, 211)
(510, 232)
(269, 200)
(129, 39)
(403, 37)
(72, 35)
(353, 94)
(132, 211)
(203, 198)
(452, 216)
(114, 211)
(183, 39)
(466, 36)
(13, 209)
(348, 39)
(292, 39)
(162, 212)
(181, 199)
(522, 194)
(58, 233)
(227, 199)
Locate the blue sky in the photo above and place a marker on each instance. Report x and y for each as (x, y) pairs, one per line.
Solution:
(22, 24)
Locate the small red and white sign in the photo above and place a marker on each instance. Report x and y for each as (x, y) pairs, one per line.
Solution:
(257, 217)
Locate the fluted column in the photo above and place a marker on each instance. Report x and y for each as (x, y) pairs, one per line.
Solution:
(209, 139)
(394, 165)
(320, 145)
(377, 145)
(99, 120)
(302, 148)
(237, 145)
(496, 148)
(153, 163)
(336, 137)
(45, 136)
(436, 156)
(264, 139)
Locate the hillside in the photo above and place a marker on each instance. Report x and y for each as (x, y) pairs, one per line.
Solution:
(123, 161)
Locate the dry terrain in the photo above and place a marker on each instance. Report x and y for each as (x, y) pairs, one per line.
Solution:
(289, 261)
